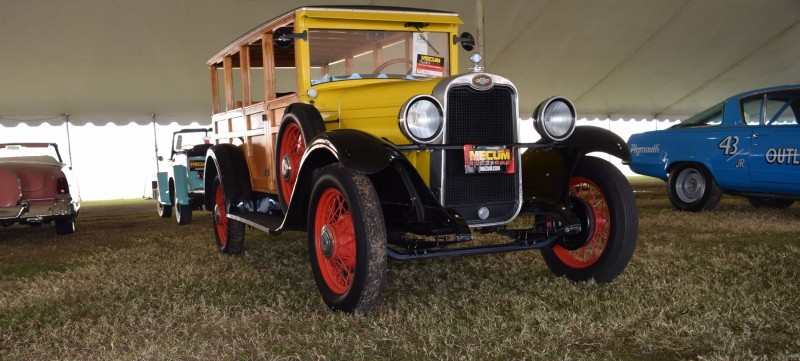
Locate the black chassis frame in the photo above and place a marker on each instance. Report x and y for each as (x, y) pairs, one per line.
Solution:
(546, 168)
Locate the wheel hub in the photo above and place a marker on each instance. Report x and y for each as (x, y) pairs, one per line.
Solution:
(326, 242)
(216, 214)
(585, 215)
(286, 167)
(690, 186)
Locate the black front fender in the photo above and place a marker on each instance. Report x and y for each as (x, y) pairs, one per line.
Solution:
(397, 183)
(356, 150)
(585, 140)
(546, 171)
(227, 162)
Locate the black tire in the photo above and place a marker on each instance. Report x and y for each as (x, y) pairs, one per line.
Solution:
(345, 284)
(228, 233)
(692, 188)
(777, 203)
(603, 200)
(183, 214)
(65, 226)
(164, 211)
(306, 120)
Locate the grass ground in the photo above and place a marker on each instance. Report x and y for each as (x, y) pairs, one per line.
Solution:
(128, 285)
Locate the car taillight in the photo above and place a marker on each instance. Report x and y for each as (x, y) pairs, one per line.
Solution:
(62, 187)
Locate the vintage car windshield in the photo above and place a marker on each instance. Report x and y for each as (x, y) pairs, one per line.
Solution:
(709, 117)
(28, 150)
(188, 140)
(367, 54)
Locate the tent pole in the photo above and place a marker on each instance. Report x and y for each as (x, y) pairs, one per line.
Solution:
(479, 28)
(155, 140)
(69, 140)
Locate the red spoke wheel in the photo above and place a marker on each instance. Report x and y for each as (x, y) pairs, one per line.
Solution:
(291, 152)
(603, 200)
(347, 240)
(336, 248)
(301, 124)
(588, 193)
(228, 233)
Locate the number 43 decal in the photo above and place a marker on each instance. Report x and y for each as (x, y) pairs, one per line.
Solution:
(729, 145)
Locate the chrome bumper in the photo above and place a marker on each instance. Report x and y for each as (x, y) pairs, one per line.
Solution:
(26, 212)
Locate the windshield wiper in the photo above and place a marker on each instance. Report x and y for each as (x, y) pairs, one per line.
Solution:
(419, 27)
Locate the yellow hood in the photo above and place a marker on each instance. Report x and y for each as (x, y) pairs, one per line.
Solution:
(372, 107)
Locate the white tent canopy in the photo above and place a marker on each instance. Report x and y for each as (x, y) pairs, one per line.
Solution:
(113, 68)
(120, 62)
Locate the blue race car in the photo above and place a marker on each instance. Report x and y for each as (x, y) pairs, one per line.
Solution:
(747, 145)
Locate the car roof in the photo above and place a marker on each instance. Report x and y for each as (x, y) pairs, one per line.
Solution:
(289, 16)
(372, 8)
(765, 90)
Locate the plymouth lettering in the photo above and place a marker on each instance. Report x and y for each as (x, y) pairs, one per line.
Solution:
(635, 149)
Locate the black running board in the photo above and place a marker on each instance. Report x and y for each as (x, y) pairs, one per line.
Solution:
(262, 221)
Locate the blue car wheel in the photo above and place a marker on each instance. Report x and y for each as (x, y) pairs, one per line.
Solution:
(692, 188)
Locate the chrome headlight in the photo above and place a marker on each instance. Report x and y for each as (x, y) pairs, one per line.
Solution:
(554, 119)
(421, 119)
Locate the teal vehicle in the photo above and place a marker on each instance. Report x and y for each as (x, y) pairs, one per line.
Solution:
(181, 186)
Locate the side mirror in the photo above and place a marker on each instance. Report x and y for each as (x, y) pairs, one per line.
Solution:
(160, 158)
(466, 39)
(284, 37)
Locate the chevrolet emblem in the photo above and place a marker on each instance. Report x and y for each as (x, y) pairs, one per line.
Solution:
(482, 81)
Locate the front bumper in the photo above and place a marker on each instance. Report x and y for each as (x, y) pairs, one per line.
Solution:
(38, 213)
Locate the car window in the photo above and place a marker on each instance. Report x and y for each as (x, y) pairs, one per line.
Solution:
(781, 109)
(361, 54)
(188, 140)
(709, 117)
(751, 110)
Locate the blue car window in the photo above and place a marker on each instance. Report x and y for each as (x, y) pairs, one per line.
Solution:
(779, 112)
(709, 117)
(751, 110)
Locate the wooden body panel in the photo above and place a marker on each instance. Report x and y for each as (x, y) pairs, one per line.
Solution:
(369, 105)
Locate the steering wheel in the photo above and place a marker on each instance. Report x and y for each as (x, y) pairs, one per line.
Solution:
(388, 63)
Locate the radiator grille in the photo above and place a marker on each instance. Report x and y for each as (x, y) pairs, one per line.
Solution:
(475, 117)
(479, 118)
